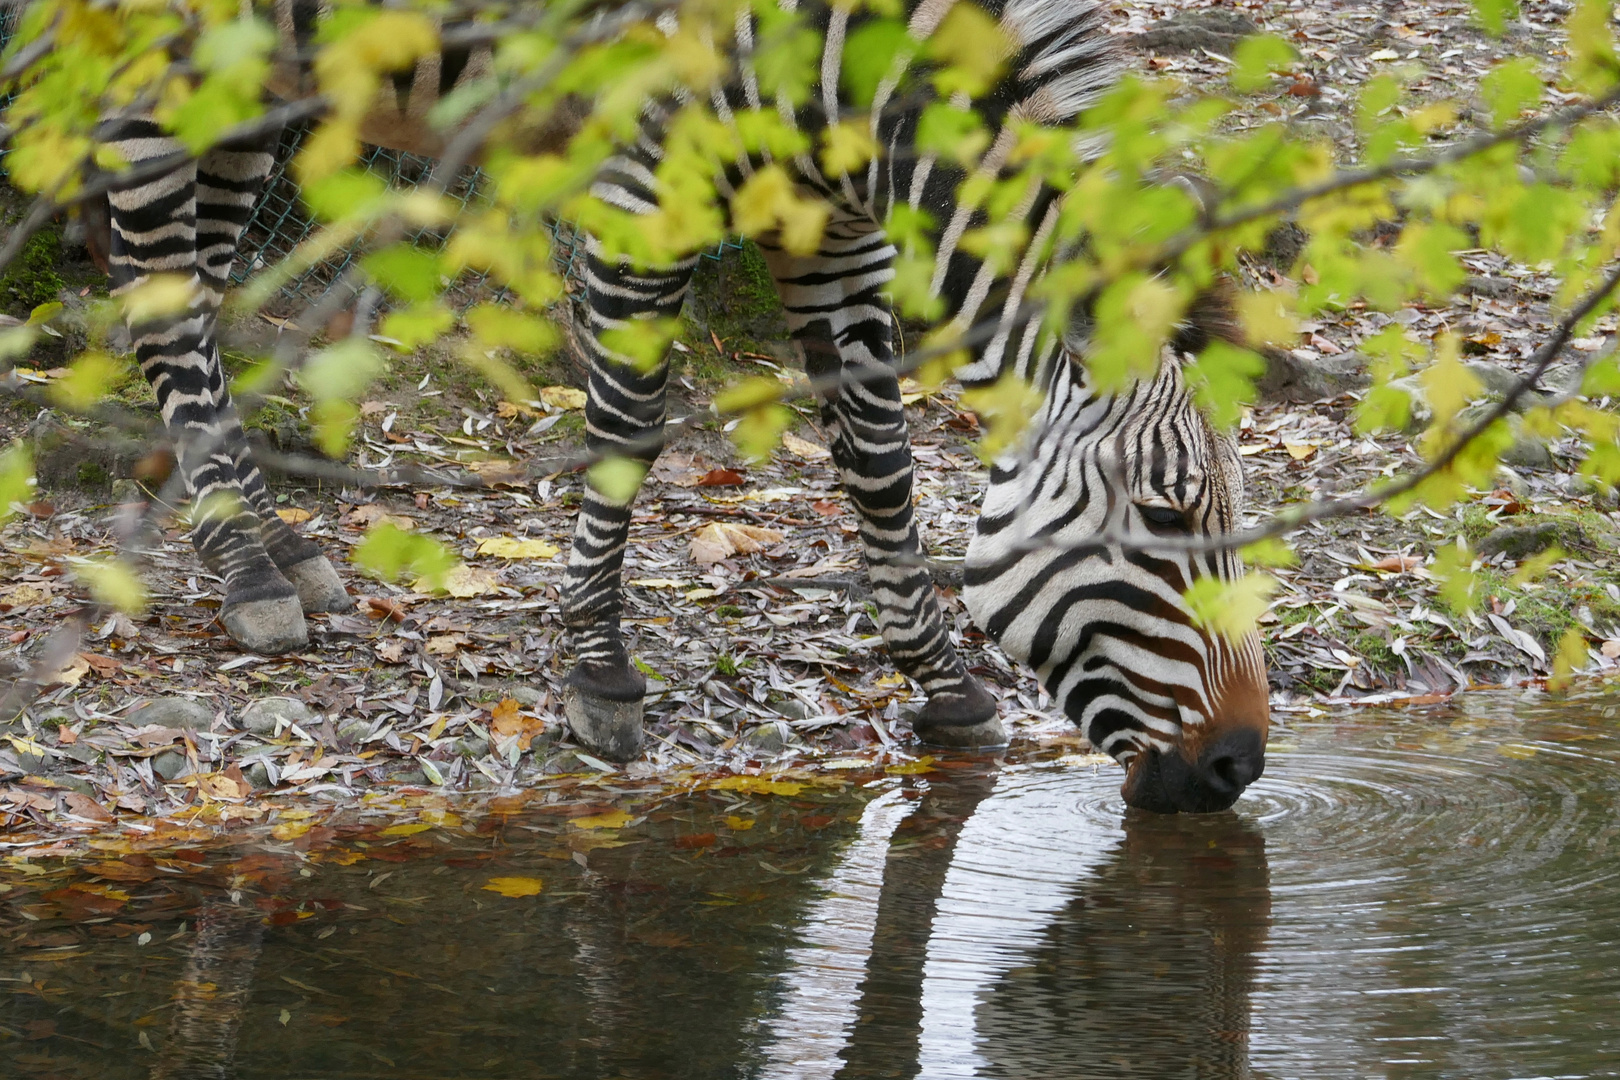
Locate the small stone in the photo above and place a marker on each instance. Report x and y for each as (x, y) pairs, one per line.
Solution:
(562, 762)
(126, 491)
(188, 714)
(169, 764)
(527, 696)
(353, 730)
(793, 708)
(408, 776)
(257, 775)
(1528, 454)
(263, 715)
(33, 764)
(770, 737)
(1519, 541)
(472, 746)
(74, 783)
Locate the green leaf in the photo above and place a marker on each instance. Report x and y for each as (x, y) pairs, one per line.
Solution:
(88, 381)
(1271, 551)
(499, 326)
(1231, 609)
(413, 327)
(16, 478)
(760, 429)
(1511, 87)
(1256, 58)
(1222, 381)
(617, 479)
(871, 55)
(341, 371)
(390, 553)
(1493, 14)
(112, 582)
(408, 272)
(1453, 568)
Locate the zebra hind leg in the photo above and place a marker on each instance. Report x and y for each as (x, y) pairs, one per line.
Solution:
(154, 231)
(839, 316)
(229, 180)
(624, 418)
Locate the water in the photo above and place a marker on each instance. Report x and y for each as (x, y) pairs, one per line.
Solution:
(1407, 893)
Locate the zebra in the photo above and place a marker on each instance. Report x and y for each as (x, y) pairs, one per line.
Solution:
(1048, 577)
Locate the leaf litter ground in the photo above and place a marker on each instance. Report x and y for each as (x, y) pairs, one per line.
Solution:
(746, 598)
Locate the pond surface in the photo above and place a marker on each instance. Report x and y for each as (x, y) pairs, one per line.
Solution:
(1407, 893)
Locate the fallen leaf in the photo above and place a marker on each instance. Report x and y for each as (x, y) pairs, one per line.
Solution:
(804, 447)
(721, 540)
(222, 785)
(1610, 648)
(445, 644)
(511, 410)
(86, 807)
(410, 829)
(740, 824)
(513, 547)
(382, 607)
(755, 785)
(514, 887)
(71, 674)
(372, 514)
(508, 722)
(462, 582)
(22, 596)
(1299, 451)
(613, 819)
(500, 473)
(293, 515)
(562, 397)
(1398, 564)
(721, 478)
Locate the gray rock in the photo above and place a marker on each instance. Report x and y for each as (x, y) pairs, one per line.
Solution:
(564, 761)
(174, 712)
(127, 491)
(353, 730)
(771, 737)
(528, 696)
(1529, 454)
(262, 715)
(257, 775)
(1299, 379)
(33, 764)
(793, 708)
(408, 776)
(1218, 31)
(472, 746)
(1495, 378)
(1519, 541)
(169, 764)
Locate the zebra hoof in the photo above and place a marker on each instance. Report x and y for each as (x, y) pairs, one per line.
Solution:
(967, 719)
(273, 625)
(319, 587)
(984, 735)
(607, 728)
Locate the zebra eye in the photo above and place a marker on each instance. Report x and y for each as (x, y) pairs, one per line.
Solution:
(1163, 517)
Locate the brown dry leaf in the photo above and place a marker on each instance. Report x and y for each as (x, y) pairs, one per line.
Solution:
(382, 607)
(70, 675)
(1396, 564)
(613, 819)
(374, 408)
(391, 652)
(293, 515)
(508, 723)
(372, 514)
(23, 596)
(103, 666)
(223, 785)
(562, 397)
(1610, 648)
(501, 473)
(446, 644)
(84, 806)
(804, 447)
(1299, 451)
(721, 478)
(721, 540)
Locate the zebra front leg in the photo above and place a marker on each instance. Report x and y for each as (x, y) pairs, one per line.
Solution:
(837, 313)
(229, 179)
(624, 421)
(154, 232)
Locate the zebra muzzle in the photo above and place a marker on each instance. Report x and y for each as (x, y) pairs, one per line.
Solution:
(1171, 782)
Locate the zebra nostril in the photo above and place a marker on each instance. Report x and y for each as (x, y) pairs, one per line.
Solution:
(1234, 762)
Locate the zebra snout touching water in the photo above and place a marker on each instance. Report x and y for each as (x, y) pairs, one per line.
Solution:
(1050, 576)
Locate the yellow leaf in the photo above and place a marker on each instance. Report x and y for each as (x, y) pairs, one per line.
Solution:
(658, 583)
(721, 540)
(755, 785)
(846, 146)
(462, 582)
(512, 547)
(514, 887)
(613, 819)
(804, 447)
(406, 830)
(291, 830)
(1516, 751)
(912, 768)
(1299, 451)
(740, 824)
(292, 515)
(562, 397)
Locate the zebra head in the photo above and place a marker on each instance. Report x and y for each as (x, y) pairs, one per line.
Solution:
(1062, 573)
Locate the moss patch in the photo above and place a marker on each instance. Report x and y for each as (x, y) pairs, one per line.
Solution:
(33, 278)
